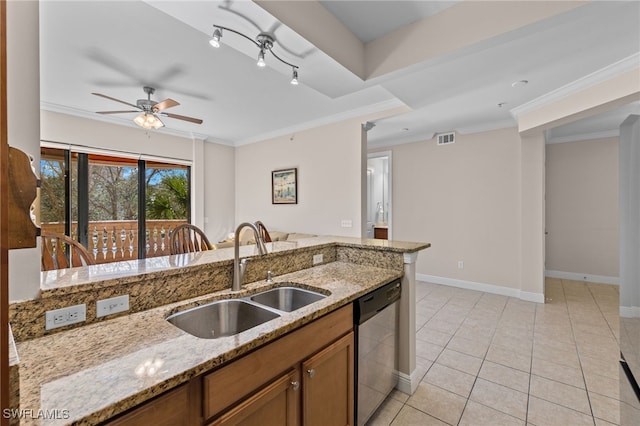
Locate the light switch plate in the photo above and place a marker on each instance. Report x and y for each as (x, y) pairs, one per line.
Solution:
(317, 258)
(112, 305)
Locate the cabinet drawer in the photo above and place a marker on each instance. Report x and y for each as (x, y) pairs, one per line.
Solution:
(235, 381)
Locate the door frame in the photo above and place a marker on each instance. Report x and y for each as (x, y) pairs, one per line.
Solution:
(389, 181)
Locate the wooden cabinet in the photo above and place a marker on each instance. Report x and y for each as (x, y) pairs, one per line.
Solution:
(380, 233)
(177, 407)
(327, 385)
(275, 405)
(322, 349)
(303, 378)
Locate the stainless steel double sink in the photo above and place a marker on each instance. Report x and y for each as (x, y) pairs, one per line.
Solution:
(232, 316)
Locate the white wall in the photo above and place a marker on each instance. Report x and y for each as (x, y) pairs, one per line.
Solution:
(219, 191)
(329, 161)
(582, 208)
(23, 130)
(464, 199)
(629, 152)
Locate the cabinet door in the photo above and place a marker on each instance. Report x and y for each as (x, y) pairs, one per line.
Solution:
(327, 385)
(275, 405)
(174, 408)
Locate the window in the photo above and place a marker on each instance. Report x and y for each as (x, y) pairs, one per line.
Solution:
(119, 208)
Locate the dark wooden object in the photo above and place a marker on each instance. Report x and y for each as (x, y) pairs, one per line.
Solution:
(189, 239)
(22, 192)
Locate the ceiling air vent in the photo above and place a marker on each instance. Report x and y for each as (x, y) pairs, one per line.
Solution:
(446, 138)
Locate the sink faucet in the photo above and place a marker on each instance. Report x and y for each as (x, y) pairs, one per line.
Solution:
(240, 267)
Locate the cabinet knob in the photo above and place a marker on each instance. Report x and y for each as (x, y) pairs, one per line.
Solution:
(295, 385)
(311, 372)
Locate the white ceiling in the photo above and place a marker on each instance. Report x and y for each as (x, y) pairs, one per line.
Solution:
(116, 47)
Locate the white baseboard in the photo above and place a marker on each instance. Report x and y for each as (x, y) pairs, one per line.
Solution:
(487, 288)
(629, 311)
(408, 384)
(575, 276)
(531, 297)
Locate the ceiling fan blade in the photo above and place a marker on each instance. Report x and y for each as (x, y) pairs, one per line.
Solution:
(182, 117)
(114, 99)
(115, 112)
(167, 103)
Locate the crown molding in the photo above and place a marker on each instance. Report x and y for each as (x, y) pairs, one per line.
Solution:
(583, 137)
(627, 64)
(51, 107)
(346, 115)
(425, 136)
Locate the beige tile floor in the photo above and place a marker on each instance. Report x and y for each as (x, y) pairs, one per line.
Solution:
(493, 360)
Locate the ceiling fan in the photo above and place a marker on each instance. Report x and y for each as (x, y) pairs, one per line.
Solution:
(151, 111)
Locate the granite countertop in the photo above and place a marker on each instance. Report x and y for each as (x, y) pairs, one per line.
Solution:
(94, 372)
(65, 281)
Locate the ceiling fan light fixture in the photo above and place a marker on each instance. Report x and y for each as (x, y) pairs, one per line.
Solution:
(148, 121)
(294, 77)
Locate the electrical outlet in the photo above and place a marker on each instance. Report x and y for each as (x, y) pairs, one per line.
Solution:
(346, 223)
(460, 264)
(65, 316)
(317, 258)
(112, 305)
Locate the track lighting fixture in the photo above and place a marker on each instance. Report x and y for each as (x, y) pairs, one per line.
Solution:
(264, 42)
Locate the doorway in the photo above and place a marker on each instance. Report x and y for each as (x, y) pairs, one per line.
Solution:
(379, 195)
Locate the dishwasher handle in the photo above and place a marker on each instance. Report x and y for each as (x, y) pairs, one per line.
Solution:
(372, 303)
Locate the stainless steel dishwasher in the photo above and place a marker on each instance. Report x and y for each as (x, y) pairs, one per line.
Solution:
(376, 327)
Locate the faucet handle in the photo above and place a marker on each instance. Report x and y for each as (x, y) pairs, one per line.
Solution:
(269, 277)
(243, 264)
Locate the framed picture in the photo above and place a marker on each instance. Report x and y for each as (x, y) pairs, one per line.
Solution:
(284, 186)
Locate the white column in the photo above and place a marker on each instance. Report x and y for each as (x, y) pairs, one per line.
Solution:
(407, 380)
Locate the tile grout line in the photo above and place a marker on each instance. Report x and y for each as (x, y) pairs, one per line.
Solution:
(593, 417)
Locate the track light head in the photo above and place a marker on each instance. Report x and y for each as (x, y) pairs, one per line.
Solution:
(215, 39)
(261, 62)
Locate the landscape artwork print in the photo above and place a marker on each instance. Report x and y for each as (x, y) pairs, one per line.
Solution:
(284, 186)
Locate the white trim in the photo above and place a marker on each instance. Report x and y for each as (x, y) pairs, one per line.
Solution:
(627, 64)
(584, 137)
(576, 276)
(410, 258)
(487, 288)
(531, 297)
(408, 384)
(391, 140)
(119, 121)
(368, 109)
(629, 311)
(114, 153)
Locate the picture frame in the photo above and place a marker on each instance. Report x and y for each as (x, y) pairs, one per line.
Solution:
(284, 186)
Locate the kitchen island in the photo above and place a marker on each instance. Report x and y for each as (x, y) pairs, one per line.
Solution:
(90, 373)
